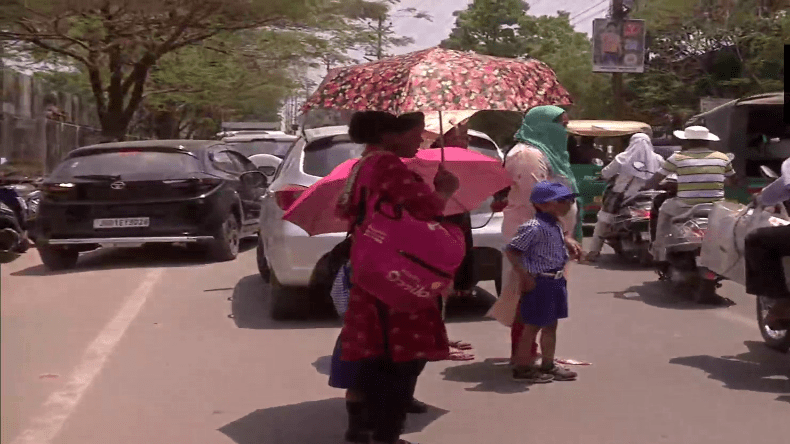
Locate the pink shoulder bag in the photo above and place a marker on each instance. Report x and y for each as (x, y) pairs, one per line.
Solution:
(403, 261)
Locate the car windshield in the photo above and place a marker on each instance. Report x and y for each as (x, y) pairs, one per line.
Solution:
(323, 155)
(264, 146)
(127, 164)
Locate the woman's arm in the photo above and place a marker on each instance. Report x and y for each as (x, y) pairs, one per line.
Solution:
(610, 170)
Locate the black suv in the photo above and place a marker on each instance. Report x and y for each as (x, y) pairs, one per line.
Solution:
(197, 192)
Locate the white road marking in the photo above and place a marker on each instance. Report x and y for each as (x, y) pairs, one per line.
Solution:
(60, 405)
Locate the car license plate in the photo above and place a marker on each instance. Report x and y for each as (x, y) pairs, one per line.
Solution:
(124, 222)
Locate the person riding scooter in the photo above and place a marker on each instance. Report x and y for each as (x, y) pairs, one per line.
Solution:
(630, 180)
(764, 249)
(701, 176)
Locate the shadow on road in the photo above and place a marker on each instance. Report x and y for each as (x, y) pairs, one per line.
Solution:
(613, 262)
(491, 375)
(314, 422)
(665, 295)
(758, 370)
(250, 309)
(323, 365)
(155, 255)
(251, 302)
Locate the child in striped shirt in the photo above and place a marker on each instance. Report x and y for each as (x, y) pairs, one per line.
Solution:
(538, 254)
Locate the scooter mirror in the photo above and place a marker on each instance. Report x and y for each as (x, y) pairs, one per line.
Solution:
(639, 166)
(597, 162)
(768, 172)
(731, 156)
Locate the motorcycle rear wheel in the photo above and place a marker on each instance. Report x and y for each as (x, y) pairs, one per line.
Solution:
(776, 339)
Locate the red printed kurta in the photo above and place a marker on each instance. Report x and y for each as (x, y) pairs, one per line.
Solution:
(411, 335)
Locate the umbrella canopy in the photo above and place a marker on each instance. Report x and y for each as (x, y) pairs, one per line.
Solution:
(439, 79)
(314, 211)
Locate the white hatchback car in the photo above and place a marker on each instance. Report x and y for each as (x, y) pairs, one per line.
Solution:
(287, 256)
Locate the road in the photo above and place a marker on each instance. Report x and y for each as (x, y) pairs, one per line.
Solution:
(157, 346)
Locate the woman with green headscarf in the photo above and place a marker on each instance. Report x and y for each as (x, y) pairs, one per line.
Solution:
(540, 154)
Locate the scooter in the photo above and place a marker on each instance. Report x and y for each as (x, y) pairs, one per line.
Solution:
(13, 237)
(775, 339)
(629, 232)
(629, 235)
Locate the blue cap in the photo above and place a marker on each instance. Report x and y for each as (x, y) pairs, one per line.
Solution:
(544, 192)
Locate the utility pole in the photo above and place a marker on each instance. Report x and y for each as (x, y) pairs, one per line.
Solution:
(618, 15)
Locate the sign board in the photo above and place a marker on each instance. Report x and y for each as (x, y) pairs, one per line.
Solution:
(618, 47)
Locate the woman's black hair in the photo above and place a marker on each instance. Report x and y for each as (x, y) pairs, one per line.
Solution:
(367, 127)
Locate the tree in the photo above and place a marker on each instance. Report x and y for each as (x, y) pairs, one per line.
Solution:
(489, 27)
(716, 48)
(503, 28)
(117, 43)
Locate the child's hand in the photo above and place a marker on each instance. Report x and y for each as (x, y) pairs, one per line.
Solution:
(526, 284)
(574, 248)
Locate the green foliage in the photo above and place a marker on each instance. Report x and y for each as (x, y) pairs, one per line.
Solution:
(117, 43)
(503, 28)
(716, 49)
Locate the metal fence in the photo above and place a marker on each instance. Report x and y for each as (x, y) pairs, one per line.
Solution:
(36, 145)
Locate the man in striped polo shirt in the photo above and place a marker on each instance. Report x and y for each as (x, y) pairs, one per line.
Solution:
(701, 175)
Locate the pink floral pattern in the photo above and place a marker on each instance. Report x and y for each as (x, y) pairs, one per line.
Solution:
(439, 79)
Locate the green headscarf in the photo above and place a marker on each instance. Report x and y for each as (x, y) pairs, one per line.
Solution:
(541, 130)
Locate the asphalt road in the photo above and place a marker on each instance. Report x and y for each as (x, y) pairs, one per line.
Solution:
(156, 346)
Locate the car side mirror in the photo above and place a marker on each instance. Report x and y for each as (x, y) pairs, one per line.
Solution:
(254, 179)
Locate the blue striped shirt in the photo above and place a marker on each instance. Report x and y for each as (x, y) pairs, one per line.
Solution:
(341, 290)
(541, 244)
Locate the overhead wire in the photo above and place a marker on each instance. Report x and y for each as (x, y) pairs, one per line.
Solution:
(589, 15)
(582, 13)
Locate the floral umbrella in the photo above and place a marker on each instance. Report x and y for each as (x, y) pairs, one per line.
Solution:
(439, 79)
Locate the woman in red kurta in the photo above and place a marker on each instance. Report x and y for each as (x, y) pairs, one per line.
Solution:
(392, 346)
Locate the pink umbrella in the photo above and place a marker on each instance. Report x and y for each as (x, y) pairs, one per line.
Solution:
(481, 176)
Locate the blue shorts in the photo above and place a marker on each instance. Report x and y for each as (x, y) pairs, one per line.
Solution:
(547, 303)
(343, 374)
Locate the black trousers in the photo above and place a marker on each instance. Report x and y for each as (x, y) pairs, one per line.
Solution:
(388, 388)
(464, 277)
(657, 202)
(765, 248)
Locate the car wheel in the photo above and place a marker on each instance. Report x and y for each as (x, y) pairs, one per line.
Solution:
(263, 265)
(287, 302)
(225, 246)
(55, 258)
(775, 339)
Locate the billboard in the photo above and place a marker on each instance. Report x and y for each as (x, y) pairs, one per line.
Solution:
(618, 47)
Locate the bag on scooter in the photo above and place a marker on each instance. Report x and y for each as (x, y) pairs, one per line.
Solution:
(724, 241)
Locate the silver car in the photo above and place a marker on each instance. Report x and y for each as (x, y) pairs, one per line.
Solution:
(287, 256)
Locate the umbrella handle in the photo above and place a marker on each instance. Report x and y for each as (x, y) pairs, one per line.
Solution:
(441, 135)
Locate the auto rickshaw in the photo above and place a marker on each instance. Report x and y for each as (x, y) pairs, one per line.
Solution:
(755, 131)
(587, 161)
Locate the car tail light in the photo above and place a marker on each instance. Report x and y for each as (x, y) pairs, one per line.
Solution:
(55, 190)
(288, 195)
(640, 213)
(206, 184)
